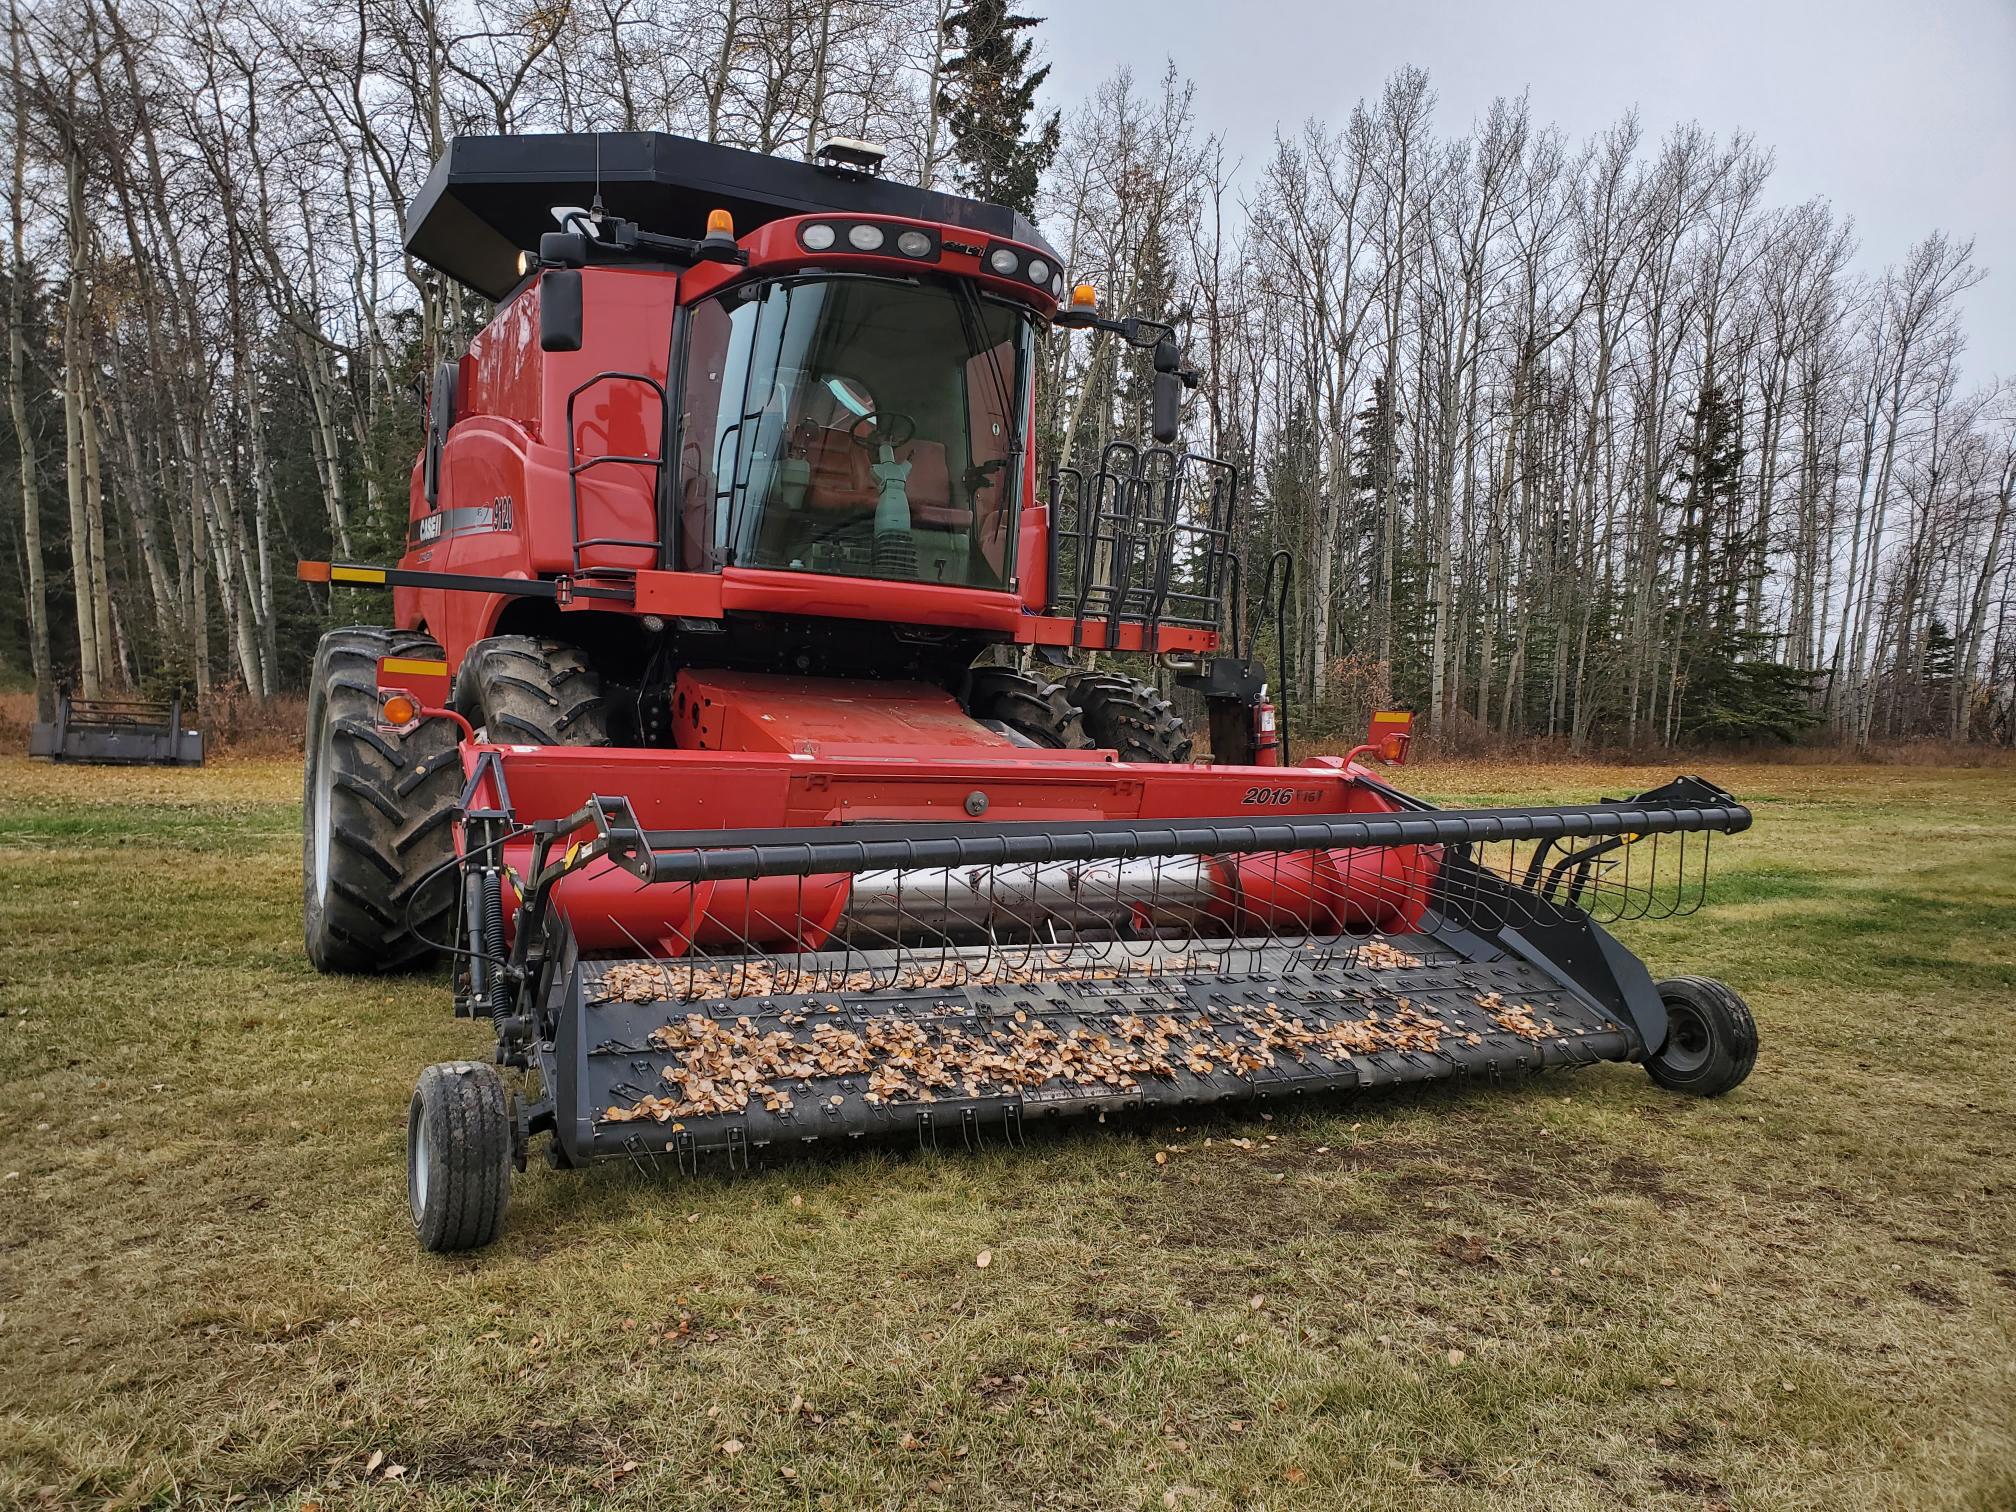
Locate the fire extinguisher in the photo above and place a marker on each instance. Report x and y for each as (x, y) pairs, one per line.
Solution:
(1266, 737)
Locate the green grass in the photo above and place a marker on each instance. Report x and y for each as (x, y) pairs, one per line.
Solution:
(1801, 1295)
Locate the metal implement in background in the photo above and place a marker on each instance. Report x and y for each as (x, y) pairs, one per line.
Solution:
(117, 732)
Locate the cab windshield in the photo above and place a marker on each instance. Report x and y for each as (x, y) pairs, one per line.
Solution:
(858, 426)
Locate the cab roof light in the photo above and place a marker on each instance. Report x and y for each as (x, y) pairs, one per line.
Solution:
(720, 235)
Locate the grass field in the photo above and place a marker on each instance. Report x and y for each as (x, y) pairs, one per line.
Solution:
(1582, 1293)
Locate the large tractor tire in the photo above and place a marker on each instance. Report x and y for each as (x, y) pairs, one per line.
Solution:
(524, 690)
(377, 813)
(1038, 711)
(1129, 716)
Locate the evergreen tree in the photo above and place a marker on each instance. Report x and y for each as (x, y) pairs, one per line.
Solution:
(1732, 688)
(987, 96)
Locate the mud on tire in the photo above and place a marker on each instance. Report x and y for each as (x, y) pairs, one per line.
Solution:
(377, 813)
(1129, 716)
(1040, 711)
(525, 690)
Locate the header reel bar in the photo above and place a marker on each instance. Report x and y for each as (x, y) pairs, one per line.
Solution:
(702, 855)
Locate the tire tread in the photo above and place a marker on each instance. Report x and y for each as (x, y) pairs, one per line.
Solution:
(391, 799)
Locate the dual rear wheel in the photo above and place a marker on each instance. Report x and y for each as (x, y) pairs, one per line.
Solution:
(1082, 711)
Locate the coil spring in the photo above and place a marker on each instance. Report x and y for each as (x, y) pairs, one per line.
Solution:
(492, 942)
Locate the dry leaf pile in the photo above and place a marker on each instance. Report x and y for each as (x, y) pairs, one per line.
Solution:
(701, 980)
(1378, 955)
(1515, 1018)
(723, 1066)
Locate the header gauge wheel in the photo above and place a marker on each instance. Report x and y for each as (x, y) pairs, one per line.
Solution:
(458, 1156)
(1711, 1039)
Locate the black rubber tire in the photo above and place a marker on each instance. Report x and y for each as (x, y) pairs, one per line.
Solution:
(1711, 1039)
(377, 813)
(1040, 711)
(458, 1156)
(523, 690)
(1129, 716)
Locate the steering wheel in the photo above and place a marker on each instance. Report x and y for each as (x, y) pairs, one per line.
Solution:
(881, 430)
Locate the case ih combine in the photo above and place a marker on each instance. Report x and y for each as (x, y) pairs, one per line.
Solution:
(704, 749)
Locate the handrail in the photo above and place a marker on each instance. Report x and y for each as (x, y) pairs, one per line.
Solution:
(656, 464)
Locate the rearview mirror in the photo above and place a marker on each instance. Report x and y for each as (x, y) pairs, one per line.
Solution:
(560, 310)
(563, 249)
(1166, 423)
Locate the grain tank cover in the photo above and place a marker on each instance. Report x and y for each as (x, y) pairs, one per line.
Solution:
(490, 197)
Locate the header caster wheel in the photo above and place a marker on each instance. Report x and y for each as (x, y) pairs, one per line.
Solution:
(1711, 1040)
(458, 1156)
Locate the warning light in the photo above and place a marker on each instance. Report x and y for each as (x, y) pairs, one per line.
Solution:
(720, 223)
(1084, 297)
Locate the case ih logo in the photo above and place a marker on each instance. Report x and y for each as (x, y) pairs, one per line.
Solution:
(470, 519)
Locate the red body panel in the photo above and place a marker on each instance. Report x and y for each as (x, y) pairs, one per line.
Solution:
(507, 452)
(760, 711)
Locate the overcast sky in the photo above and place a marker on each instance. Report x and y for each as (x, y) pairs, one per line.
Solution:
(1902, 114)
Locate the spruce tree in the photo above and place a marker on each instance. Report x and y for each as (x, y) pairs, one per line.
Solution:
(987, 95)
(1732, 688)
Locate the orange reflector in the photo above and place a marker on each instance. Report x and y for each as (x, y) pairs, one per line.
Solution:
(399, 709)
(720, 223)
(1391, 733)
(1084, 297)
(312, 572)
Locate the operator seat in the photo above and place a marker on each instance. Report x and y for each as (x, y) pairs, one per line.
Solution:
(841, 483)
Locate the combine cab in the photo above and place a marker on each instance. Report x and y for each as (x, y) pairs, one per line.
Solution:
(750, 740)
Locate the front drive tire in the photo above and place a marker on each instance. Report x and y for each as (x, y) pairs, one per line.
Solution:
(458, 1156)
(377, 813)
(1711, 1039)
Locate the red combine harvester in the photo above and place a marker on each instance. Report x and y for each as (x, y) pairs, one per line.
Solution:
(706, 751)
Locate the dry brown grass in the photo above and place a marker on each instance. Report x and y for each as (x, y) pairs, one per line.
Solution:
(1582, 1293)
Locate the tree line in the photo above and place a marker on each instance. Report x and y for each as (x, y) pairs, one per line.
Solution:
(1592, 440)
